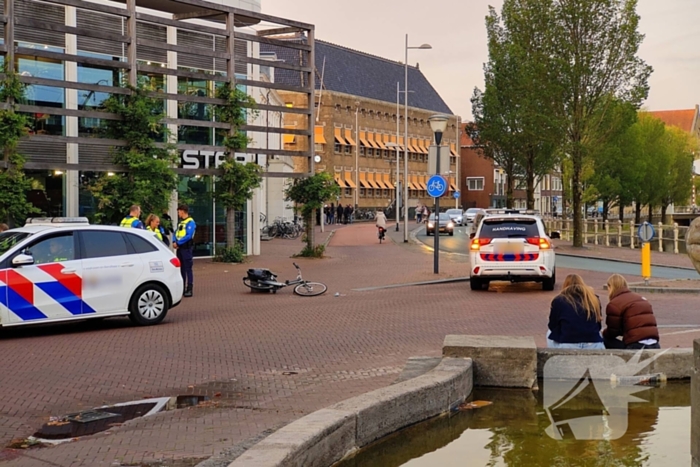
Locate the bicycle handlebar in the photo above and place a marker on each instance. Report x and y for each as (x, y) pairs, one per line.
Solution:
(295, 265)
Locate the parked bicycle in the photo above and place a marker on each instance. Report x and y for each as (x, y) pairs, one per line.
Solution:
(265, 280)
(283, 228)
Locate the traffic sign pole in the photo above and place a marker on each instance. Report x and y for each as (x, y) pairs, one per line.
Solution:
(436, 231)
(646, 262)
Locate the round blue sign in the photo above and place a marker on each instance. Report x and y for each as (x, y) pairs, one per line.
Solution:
(456, 195)
(437, 186)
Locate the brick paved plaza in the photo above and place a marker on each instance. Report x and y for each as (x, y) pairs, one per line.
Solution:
(264, 359)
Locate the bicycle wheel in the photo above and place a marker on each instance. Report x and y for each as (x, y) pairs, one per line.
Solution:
(310, 289)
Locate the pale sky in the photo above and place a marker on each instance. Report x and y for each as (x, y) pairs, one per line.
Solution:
(455, 29)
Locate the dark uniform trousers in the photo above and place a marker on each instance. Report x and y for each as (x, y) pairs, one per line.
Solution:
(186, 260)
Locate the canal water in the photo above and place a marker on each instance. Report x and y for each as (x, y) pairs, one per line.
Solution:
(512, 432)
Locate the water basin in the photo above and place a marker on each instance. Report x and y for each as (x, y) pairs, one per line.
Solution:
(512, 432)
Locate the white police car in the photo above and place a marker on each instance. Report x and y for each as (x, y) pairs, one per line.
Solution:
(511, 245)
(62, 269)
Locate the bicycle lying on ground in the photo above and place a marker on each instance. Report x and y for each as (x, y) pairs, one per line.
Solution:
(265, 280)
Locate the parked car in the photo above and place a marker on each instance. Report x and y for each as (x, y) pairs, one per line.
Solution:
(513, 246)
(471, 213)
(445, 224)
(456, 215)
(64, 269)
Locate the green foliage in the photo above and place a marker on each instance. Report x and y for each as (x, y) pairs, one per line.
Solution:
(312, 192)
(150, 179)
(235, 186)
(309, 194)
(234, 254)
(14, 185)
(235, 112)
(316, 251)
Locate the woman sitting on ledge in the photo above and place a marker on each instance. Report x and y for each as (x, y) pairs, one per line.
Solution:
(575, 316)
(628, 315)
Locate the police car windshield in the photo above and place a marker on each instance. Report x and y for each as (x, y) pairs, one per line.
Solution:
(9, 239)
(509, 228)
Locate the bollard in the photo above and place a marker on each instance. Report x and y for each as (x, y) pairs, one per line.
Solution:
(632, 234)
(619, 233)
(675, 237)
(595, 231)
(585, 231)
(661, 237)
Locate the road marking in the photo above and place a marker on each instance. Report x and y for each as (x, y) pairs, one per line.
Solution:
(411, 284)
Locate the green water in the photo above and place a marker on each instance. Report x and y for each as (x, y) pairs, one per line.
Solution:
(511, 432)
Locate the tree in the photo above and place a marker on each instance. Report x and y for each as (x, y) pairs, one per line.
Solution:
(14, 185)
(149, 179)
(514, 113)
(235, 186)
(310, 193)
(594, 47)
(682, 148)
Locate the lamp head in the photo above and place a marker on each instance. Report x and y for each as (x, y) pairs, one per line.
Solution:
(438, 123)
(425, 46)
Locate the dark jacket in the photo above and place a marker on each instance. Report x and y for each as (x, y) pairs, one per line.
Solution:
(569, 324)
(630, 315)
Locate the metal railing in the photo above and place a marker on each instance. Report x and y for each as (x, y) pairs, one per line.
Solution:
(668, 238)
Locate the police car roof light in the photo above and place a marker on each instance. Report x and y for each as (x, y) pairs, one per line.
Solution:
(57, 220)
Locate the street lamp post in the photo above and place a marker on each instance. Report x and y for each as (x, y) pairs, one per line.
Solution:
(405, 154)
(396, 187)
(438, 123)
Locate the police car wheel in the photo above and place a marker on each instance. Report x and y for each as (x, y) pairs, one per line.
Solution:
(148, 305)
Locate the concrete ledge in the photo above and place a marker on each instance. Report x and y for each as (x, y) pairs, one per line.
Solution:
(674, 363)
(326, 436)
(499, 361)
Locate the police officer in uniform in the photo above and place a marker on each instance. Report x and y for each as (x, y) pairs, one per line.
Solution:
(132, 220)
(184, 243)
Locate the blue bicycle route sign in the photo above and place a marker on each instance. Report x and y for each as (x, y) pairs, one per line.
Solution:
(437, 186)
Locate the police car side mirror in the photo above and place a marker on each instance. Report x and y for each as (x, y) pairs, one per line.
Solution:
(22, 260)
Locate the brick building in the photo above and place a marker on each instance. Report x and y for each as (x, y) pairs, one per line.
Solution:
(356, 124)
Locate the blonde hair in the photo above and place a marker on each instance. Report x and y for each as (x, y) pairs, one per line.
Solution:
(574, 288)
(616, 283)
(151, 218)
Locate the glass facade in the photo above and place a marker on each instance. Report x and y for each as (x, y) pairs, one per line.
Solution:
(45, 96)
(48, 191)
(197, 192)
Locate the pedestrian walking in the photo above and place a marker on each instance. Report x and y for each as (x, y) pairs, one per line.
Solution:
(132, 221)
(426, 213)
(347, 212)
(331, 214)
(630, 316)
(339, 214)
(153, 226)
(184, 244)
(419, 214)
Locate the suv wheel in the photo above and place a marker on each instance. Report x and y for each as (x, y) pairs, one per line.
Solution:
(478, 284)
(548, 284)
(148, 305)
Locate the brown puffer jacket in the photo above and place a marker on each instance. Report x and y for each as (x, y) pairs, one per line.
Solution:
(630, 315)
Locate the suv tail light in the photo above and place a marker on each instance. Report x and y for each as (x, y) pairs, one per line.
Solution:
(543, 243)
(175, 262)
(479, 242)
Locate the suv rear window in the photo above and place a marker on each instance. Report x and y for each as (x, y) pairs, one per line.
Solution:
(509, 228)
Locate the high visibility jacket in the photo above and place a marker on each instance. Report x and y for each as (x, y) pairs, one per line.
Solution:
(184, 235)
(156, 232)
(131, 222)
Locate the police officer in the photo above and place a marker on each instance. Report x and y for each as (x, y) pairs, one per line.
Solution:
(184, 243)
(153, 226)
(132, 220)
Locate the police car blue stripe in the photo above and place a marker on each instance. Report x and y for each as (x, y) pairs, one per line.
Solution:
(62, 295)
(19, 306)
(87, 308)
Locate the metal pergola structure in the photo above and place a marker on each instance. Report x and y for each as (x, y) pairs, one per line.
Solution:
(220, 21)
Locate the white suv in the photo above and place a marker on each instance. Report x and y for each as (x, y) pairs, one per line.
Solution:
(63, 269)
(511, 245)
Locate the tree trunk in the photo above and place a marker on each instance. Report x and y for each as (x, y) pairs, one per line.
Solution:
(230, 227)
(576, 193)
(606, 206)
(530, 190)
(510, 185)
(637, 212)
(310, 230)
(622, 212)
(664, 207)
(651, 214)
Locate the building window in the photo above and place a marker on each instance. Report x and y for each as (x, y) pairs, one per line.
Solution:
(370, 192)
(475, 183)
(386, 193)
(363, 192)
(387, 154)
(370, 152)
(362, 150)
(348, 149)
(338, 148)
(348, 192)
(319, 147)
